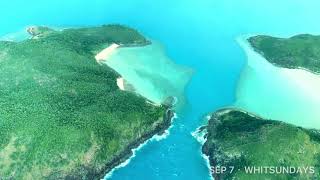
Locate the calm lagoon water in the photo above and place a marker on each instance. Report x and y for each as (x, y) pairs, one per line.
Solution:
(200, 34)
(151, 72)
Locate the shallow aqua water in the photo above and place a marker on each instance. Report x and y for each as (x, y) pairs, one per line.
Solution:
(277, 93)
(151, 72)
(196, 33)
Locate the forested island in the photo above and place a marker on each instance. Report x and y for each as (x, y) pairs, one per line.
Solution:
(300, 51)
(62, 115)
(237, 140)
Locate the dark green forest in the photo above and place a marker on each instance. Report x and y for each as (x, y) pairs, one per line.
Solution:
(60, 111)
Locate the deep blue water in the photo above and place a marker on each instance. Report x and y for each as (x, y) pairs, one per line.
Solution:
(197, 33)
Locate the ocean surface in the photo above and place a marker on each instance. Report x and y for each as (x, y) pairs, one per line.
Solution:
(200, 34)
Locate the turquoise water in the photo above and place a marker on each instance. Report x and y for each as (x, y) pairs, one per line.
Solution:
(277, 93)
(151, 72)
(200, 34)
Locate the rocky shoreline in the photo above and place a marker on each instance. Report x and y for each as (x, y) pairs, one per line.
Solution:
(207, 150)
(238, 140)
(91, 173)
(91, 126)
(220, 158)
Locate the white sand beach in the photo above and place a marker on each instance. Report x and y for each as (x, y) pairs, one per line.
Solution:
(308, 82)
(151, 72)
(120, 83)
(105, 54)
(272, 92)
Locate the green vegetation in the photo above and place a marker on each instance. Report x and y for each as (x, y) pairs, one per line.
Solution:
(61, 114)
(239, 139)
(301, 51)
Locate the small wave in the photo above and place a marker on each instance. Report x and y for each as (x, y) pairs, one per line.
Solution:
(206, 158)
(199, 135)
(166, 133)
(125, 163)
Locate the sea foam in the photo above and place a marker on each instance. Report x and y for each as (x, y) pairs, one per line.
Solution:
(199, 135)
(156, 137)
